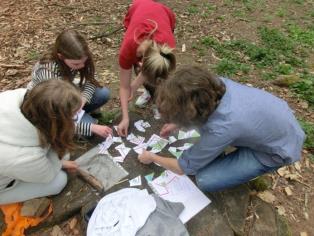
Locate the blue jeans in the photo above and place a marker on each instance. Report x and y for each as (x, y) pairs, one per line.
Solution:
(100, 97)
(230, 170)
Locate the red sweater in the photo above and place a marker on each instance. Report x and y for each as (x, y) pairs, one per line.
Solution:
(139, 22)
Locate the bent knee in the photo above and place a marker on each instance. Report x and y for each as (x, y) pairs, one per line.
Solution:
(59, 182)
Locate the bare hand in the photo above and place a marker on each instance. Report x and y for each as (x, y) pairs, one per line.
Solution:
(123, 128)
(70, 166)
(101, 130)
(167, 129)
(146, 157)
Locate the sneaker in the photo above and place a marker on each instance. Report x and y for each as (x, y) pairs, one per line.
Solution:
(143, 99)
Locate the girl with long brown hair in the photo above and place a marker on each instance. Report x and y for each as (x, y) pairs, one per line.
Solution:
(70, 56)
(148, 45)
(37, 132)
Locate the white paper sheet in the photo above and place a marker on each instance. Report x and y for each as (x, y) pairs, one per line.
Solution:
(123, 150)
(179, 188)
(137, 181)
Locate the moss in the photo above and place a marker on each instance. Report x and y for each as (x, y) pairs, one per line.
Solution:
(261, 183)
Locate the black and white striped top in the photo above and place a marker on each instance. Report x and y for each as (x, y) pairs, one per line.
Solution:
(43, 72)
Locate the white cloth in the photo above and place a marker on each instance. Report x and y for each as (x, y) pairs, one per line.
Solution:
(121, 213)
(21, 157)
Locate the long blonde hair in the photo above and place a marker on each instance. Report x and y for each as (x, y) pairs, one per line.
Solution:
(158, 62)
(50, 107)
(158, 59)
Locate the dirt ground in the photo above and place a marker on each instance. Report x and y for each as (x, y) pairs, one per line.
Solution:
(29, 27)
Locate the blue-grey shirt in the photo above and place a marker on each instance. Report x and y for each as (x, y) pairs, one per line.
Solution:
(247, 117)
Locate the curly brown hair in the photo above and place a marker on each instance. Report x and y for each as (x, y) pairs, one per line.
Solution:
(190, 96)
(50, 107)
(71, 45)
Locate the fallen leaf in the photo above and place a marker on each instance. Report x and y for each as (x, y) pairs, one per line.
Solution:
(288, 191)
(297, 165)
(73, 223)
(267, 196)
(281, 210)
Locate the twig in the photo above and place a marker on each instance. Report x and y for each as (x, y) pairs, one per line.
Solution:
(106, 34)
(275, 183)
(122, 181)
(92, 23)
(11, 66)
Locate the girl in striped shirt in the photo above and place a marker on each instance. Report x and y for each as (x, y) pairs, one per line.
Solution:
(69, 57)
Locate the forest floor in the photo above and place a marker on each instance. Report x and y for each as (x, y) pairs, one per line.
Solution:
(267, 44)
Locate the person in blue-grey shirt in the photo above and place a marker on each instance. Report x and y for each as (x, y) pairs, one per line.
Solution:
(261, 126)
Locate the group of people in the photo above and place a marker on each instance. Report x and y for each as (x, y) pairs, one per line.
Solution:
(38, 123)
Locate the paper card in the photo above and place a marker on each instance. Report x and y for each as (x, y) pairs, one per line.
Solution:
(175, 152)
(185, 146)
(118, 159)
(149, 177)
(189, 134)
(138, 126)
(172, 139)
(123, 150)
(106, 144)
(139, 148)
(137, 181)
(157, 143)
(117, 139)
(179, 188)
(135, 139)
(141, 125)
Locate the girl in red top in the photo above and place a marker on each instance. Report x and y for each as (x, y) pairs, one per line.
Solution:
(148, 43)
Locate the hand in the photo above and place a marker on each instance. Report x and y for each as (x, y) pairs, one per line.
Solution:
(146, 157)
(167, 129)
(70, 166)
(123, 127)
(101, 130)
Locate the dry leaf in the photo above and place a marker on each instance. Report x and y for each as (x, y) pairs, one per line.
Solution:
(288, 191)
(283, 171)
(297, 165)
(57, 231)
(267, 196)
(281, 210)
(73, 223)
(303, 234)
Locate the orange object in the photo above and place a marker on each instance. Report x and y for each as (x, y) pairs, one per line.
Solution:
(17, 224)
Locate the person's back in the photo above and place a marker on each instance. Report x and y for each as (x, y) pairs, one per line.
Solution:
(259, 120)
(37, 131)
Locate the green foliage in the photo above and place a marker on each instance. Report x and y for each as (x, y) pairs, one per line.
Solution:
(32, 55)
(308, 128)
(305, 88)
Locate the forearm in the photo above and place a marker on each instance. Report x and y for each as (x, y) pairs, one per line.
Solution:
(137, 82)
(168, 163)
(124, 95)
(125, 88)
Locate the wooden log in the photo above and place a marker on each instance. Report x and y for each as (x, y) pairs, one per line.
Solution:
(90, 179)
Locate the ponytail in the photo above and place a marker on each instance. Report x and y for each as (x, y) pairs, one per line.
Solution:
(158, 62)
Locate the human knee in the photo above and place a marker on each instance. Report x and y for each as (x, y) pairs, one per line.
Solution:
(58, 183)
(104, 95)
(207, 183)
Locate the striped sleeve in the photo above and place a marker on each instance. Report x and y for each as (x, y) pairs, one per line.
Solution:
(43, 72)
(83, 128)
(88, 91)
